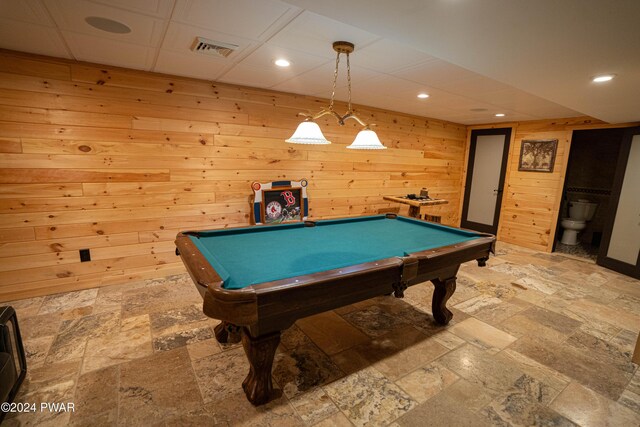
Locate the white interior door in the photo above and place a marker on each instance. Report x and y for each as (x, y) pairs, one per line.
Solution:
(621, 250)
(485, 179)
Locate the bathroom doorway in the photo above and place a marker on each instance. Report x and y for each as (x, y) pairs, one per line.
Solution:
(586, 197)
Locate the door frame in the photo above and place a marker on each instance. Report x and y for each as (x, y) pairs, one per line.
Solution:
(621, 168)
(464, 223)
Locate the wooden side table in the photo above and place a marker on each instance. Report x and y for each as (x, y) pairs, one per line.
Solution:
(416, 204)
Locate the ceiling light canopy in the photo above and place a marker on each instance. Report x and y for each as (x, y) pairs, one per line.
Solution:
(308, 132)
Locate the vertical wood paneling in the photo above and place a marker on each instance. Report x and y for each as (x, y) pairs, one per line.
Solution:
(118, 161)
(531, 200)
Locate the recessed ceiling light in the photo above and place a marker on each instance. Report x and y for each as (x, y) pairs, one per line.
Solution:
(281, 62)
(423, 95)
(500, 115)
(603, 78)
(108, 25)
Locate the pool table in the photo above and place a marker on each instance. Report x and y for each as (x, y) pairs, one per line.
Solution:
(259, 280)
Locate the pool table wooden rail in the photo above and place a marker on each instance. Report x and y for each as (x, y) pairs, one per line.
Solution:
(278, 304)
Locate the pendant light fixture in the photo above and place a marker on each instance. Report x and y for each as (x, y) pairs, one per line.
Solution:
(308, 132)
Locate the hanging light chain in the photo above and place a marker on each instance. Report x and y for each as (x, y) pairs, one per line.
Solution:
(349, 82)
(340, 48)
(335, 79)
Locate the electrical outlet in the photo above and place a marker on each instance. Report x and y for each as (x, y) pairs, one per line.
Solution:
(85, 255)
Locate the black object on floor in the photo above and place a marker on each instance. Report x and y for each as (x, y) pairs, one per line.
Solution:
(13, 363)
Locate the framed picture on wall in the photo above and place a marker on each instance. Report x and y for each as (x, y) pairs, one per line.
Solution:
(279, 201)
(537, 155)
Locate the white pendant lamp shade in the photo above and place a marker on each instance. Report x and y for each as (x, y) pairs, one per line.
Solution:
(308, 132)
(366, 140)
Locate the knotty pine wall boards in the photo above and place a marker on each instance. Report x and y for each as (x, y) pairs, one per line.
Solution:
(118, 161)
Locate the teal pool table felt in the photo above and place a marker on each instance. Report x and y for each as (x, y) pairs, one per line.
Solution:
(253, 255)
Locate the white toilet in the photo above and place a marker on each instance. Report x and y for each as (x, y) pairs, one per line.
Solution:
(580, 211)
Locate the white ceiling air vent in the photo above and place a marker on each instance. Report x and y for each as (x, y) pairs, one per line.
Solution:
(212, 47)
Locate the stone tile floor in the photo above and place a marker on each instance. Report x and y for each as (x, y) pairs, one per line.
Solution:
(536, 339)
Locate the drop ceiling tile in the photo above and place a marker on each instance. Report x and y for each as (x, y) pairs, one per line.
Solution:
(475, 86)
(319, 81)
(110, 52)
(156, 8)
(190, 65)
(387, 85)
(243, 18)
(267, 53)
(70, 16)
(256, 76)
(550, 111)
(386, 56)
(517, 100)
(481, 120)
(315, 34)
(435, 72)
(508, 98)
(32, 38)
(31, 11)
(401, 106)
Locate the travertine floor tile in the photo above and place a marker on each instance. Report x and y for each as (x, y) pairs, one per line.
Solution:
(156, 387)
(314, 406)
(293, 337)
(71, 341)
(588, 408)
(481, 334)
(26, 307)
(424, 383)
(602, 351)
(178, 319)
(442, 410)
(220, 375)
(542, 373)
(493, 374)
(200, 349)
(96, 393)
(335, 420)
(235, 410)
(68, 301)
(331, 332)
(373, 321)
(575, 364)
(536, 321)
(132, 341)
(383, 361)
(369, 398)
(303, 368)
(630, 400)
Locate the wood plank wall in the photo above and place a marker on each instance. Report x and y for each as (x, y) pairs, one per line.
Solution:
(118, 161)
(531, 200)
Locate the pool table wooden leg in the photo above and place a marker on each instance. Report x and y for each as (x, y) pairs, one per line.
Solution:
(441, 294)
(260, 352)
